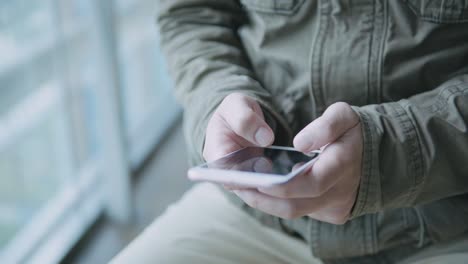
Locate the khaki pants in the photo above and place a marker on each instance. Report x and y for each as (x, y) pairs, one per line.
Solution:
(204, 227)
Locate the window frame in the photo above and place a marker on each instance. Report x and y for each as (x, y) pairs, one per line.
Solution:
(104, 183)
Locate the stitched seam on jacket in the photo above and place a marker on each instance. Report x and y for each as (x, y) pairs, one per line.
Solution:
(310, 65)
(383, 42)
(316, 79)
(438, 18)
(412, 149)
(367, 170)
(317, 56)
(373, 62)
(373, 87)
(314, 227)
(370, 70)
(368, 165)
(445, 94)
(273, 6)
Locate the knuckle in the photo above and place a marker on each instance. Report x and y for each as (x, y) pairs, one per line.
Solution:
(248, 118)
(346, 111)
(229, 100)
(329, 127)
(244, 123)
(237, 95)
(342, 105)
(232, 96)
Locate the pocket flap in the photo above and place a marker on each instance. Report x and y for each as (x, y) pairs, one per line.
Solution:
(282, 7)
(440, 11)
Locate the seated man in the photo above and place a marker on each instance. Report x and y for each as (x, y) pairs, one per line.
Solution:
(384, 83)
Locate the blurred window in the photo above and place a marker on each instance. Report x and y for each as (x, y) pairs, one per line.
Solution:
(147, 111)
(51, 152)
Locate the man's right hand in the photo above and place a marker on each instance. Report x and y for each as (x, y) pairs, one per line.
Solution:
(238, 122)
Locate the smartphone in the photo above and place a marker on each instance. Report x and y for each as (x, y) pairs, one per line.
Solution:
(255, 166)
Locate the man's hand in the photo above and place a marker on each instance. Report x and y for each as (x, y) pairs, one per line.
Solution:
(238, 122)
(327, 192)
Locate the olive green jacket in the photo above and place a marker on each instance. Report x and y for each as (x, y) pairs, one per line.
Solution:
(402, 64)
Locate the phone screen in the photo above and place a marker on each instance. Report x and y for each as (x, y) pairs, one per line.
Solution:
(262, 160)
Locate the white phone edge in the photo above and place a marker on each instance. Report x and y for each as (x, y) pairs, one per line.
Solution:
(244, 178)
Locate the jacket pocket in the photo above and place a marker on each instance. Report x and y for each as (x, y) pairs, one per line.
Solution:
(281, 7)
(440, 11)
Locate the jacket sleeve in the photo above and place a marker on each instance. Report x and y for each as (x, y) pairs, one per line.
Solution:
(415, 150)
(207, 62)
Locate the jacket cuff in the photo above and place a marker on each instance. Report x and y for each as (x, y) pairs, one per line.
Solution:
(369, 186)
(392, 159)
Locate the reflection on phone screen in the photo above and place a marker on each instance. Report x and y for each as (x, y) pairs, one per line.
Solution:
(262, 160)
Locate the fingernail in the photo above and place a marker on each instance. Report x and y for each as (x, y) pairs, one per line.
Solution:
(303, 143)
(263, 137)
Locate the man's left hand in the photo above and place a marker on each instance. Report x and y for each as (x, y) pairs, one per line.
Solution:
(326, 192)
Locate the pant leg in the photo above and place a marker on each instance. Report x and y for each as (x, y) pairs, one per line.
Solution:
(449, 252)
(204, 227)
(456, 258)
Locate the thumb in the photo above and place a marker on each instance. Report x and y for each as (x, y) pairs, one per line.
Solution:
(335, 121)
